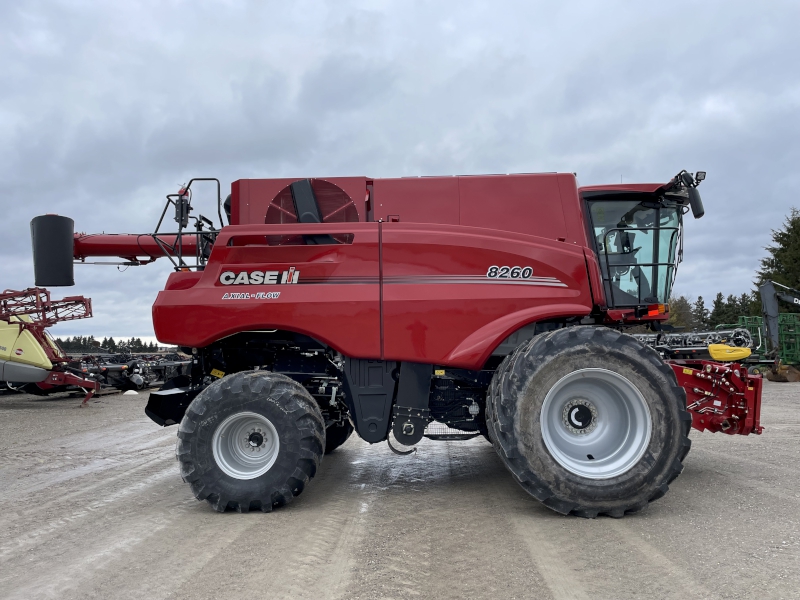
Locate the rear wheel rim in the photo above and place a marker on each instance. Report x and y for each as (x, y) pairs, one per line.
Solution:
(245, 445)
(595, 423)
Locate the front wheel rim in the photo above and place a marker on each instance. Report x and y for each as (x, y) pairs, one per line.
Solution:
(245, 445)
(595, 423)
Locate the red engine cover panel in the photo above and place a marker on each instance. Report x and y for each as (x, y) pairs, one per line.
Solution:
(441, 301)
(441, 304)
(334, 296)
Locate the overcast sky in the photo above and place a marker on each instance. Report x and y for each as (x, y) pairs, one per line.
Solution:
(107, 106)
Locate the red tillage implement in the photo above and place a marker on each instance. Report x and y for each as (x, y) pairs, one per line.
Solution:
(28, 355)
(440, 307)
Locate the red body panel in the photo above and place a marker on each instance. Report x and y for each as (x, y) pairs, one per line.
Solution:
(336, 299)
(428, 262)
(434, 279)
(430, 269)
(440, 306)
(417, 200)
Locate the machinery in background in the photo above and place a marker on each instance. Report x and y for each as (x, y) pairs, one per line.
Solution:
(700, 344)
(768, 345)
(31, 360)
(783, 331)
(29, 356)
(133, 371)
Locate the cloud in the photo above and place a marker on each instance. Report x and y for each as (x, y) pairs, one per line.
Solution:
(105, 108)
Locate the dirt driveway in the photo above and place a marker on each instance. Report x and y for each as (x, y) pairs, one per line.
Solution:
(94, 507)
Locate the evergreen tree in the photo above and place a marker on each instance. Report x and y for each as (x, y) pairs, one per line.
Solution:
(699, 314)
(782, 264)
(717, 311)
(744, 305)
(732, 309)
(680, 312)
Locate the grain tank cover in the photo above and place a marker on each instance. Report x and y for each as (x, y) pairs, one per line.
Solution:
(52, 238)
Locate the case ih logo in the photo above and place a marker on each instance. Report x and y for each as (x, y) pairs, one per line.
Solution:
(259, 277)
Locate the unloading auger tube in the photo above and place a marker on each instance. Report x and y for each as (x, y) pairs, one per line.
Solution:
(443, 308)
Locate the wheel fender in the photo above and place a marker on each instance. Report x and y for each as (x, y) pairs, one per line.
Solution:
(473, 352)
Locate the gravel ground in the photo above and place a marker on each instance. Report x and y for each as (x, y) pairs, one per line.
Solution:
(94, 508)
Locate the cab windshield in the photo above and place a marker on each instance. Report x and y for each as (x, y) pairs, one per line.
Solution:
(637, 244)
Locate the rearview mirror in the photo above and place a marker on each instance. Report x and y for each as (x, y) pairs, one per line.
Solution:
(696, 203)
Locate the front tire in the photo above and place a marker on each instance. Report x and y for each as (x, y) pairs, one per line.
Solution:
(589, 421)
(250, 441)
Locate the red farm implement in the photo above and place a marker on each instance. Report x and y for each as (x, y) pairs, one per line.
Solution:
(28, 354)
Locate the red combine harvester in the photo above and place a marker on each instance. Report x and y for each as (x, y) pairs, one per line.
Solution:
(439, 307)
(29, 356)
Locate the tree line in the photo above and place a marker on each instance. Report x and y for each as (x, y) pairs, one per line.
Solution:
(88, 344)
(782, 265)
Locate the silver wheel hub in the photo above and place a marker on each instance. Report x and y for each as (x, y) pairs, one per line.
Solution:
(245, 445)
(595, 423)
(579, 416)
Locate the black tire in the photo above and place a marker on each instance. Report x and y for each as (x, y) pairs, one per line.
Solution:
(300, 429)
(516, 397)
(35, 390)
(336, 435)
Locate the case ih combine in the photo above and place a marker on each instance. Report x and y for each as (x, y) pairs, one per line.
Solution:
(446, 307)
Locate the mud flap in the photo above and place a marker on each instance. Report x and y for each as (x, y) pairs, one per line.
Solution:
(167, 407)
(371, 388)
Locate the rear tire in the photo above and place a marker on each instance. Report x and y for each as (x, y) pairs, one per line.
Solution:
(250, 441)
(589, 421)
